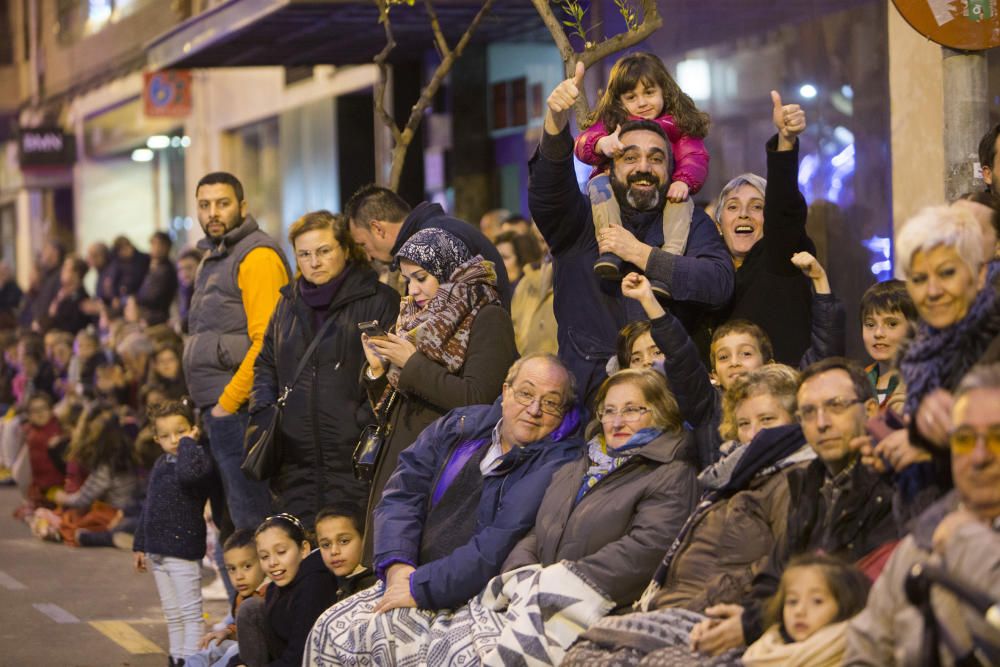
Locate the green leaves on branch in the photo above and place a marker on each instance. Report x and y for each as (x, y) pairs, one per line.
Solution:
(575, 13)
(629, 12)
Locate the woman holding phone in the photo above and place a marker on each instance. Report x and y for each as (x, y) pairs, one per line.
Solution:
(326, 409)
(452, 345)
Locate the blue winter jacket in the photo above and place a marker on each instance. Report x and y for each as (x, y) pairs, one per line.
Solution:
(506, 512)
(591, 311)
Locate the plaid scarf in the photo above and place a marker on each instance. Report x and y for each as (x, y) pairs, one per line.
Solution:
(440, 330)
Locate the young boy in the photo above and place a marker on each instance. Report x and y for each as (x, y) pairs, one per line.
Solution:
(247, 577)
(887, 320)
(42, 436)
(338, 533)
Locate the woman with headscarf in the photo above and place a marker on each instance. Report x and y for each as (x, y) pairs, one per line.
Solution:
(451, 347)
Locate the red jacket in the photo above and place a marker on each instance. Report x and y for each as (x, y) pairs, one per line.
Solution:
(44, 473)
(690, 154)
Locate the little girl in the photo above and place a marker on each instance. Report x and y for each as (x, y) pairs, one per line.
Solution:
(817, 596)
(641, 88)
(303, 589)
(170, 538)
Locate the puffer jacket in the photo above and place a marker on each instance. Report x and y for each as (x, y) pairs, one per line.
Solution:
(327, 408)
(618, 531)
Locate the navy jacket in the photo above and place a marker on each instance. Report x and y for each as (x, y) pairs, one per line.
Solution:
(431, 216)
(172, 521)
(590, 311)
(506, 512)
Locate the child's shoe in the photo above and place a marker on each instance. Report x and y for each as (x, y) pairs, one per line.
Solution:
(608, 267)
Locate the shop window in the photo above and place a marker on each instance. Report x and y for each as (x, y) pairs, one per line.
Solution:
(510, 104)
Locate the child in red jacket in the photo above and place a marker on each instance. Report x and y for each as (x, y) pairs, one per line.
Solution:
(42, 436)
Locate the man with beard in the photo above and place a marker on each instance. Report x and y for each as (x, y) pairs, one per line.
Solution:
(235, 292)
(589, 311)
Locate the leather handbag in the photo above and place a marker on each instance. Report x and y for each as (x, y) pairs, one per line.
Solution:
(371, 444)
(262, 457)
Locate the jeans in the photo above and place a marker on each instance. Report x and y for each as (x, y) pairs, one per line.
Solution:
(179, 583)
(249, 501)
(216, 654)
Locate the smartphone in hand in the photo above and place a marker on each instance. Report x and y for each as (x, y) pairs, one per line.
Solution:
(372, 329)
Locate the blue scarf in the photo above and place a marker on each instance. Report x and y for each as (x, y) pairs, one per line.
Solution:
(604, 461)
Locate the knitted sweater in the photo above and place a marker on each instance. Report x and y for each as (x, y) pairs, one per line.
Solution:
(172, 523)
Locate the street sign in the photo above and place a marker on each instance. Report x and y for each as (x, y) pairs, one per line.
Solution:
(965, 25)
(167, 93)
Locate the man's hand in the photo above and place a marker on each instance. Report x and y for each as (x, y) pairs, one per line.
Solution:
(562, 99)
(620, 241)
(721, 632)
(790, 120)
(610, 146)
(897, 450)
(219, 412)
(677, 192)
(139, 561)
(397, 589)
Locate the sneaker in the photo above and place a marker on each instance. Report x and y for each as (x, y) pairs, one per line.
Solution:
(608, 267)
(214, 591)
(6, 478)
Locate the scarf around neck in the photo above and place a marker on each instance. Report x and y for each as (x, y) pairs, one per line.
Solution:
(939, 358)
(604, 461)
(440, 330)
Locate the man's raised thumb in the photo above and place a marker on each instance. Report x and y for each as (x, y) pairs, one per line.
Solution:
(776, 99)
(578, 75)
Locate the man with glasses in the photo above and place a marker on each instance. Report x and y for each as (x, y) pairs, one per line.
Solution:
(959, 535)
(467, 490)
(839, 506)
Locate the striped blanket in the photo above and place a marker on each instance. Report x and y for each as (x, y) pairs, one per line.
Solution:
(528, 617)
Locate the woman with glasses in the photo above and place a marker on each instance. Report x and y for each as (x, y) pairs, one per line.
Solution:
(615, 510)
(451, 346)
(326, 408)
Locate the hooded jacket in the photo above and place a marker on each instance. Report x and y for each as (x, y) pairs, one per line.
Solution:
(506, 510)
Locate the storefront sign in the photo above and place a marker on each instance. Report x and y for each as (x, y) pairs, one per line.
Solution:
(167, 93)
(46, 147)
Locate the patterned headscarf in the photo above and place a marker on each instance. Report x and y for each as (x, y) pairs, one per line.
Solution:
(436, 251)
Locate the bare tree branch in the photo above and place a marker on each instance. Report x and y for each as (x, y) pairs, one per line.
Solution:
(442, 44)
(428, 93)
(381, 59)
(595, 52)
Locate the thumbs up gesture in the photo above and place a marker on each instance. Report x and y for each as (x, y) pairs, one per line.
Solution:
(610, 145)
(790, 120)
(562, 99)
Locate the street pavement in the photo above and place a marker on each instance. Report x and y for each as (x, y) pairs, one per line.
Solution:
(70, 607)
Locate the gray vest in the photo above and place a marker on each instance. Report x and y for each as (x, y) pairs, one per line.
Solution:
(217, 322)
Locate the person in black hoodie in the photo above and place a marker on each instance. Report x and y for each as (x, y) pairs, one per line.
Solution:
(303, 588)
(327, 407)
(159, 285)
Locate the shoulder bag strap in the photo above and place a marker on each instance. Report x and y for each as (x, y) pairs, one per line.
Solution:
(305, 360)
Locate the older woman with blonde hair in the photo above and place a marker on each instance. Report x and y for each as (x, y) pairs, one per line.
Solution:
(944, 254)
(614, 510)
(327, 406)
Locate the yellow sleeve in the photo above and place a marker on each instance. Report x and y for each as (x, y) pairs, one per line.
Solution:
(261, 275)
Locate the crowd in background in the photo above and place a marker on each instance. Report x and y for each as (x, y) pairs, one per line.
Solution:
(618, 431)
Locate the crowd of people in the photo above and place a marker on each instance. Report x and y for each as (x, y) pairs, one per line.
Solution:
(620, 431)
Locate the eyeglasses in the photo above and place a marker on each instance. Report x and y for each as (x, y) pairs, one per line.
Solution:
(833, 406)
(965, 438)
(629, 415)
(321, 253)
(549, 406)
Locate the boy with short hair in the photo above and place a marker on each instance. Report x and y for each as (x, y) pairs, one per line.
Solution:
(247, 576)
(341, 541)
(888, 318)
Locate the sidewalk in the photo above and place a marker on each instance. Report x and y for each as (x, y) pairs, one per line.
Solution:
(72, 607)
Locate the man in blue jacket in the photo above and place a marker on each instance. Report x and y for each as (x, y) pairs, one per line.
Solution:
(469, 488)
(590, 311)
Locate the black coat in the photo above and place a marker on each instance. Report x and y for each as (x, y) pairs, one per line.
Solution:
(328, 407)
(157, 292)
